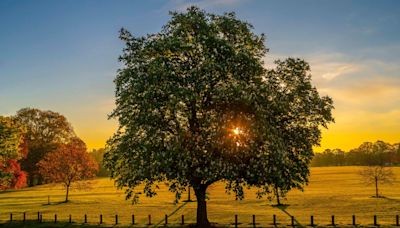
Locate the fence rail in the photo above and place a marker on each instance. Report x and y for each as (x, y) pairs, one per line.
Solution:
(13, 217)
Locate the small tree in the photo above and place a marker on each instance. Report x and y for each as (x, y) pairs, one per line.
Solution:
(377, 175)
(67, 164)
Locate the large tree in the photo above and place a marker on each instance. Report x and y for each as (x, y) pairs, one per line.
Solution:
(12, 149)
(195, 105)
(68, 163)
(46, 130)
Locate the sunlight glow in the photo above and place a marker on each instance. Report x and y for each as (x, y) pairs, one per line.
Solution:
(236, 131)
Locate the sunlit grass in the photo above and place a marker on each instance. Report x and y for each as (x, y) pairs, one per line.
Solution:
(332, 191)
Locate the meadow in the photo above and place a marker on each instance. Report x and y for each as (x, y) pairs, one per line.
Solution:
(335, 191)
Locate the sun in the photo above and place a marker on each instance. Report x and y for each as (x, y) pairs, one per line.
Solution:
(236, 131)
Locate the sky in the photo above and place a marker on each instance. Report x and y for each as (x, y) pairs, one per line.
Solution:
(63, 56)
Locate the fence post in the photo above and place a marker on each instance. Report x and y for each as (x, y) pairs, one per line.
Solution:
(312, 220)
(354, 220)
(41, 218)
(149, 220)
(116, 219)
(397, 220)
(38, 216)
(55, 218)
(333, 220)
(166, 219)
(133, 219)
(85, 218)
(101, 219)
(375, 221)
(292, 222)
(183, 220)
(274, 220)
(70, 218)
(236, 221)
(11, 217)
(24, 216)
(254, 220)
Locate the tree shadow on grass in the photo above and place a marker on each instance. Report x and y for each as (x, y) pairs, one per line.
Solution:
(56, 203)
(283, 208)
(172, 213)
(386, 198)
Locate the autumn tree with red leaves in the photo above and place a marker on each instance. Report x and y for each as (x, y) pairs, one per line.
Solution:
(45, 131)
(68, 163)
(13, 148)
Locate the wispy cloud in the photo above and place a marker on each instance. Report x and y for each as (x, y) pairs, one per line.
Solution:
(337, 69)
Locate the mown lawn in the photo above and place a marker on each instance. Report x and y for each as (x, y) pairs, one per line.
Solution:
(332, 191)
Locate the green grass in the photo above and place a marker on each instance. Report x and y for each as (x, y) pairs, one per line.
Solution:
(332, 191)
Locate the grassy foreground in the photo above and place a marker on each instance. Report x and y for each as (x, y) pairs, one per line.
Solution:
(332, 191)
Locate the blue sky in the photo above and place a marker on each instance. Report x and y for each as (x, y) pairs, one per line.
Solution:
(63, 56)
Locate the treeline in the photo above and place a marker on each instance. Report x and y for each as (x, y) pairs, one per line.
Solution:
(367, 154)
(30, 137)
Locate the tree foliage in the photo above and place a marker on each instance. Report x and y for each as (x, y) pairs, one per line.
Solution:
(46, 130)
(98, 155)
(367, 154)
(12, 149)
(195, 105)
(68, 163)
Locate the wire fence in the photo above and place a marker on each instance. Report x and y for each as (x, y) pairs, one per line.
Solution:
(149, 221)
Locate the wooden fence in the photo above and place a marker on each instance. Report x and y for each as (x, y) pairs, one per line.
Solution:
(236, 223)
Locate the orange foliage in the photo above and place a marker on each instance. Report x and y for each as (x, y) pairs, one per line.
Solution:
(68, 163)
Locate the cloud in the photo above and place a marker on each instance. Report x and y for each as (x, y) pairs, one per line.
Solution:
(336, 70)
(365, 91)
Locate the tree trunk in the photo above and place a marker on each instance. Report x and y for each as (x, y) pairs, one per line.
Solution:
(277, 196)
(202, 220)
(66, 195)
(189, 200)
(39, 180)
(31, 180)
(376, 187)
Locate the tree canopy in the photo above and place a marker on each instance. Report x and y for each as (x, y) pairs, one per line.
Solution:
(195, 105)
(46, 130)
(12, 149)
(367, 154)
(70, 162)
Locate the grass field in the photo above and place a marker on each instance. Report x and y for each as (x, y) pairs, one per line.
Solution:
(332, 191)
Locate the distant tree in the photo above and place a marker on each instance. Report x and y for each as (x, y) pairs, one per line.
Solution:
(98, 155)
(328, 157)
(195, 106)
(368, 153)
(12, 149)
(375, 154)
(396, 154)
(68, 163)
(377, 175)
(46, 130)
